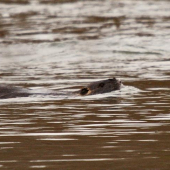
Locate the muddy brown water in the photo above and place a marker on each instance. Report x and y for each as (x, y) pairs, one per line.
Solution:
(64, 45)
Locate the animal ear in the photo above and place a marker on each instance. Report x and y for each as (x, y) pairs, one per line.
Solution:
(84, 91)
(101, 85)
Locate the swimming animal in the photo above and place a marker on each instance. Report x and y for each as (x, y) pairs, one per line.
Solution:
(98, 87)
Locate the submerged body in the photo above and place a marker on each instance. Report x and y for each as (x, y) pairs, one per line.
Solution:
(98, 87)
(12, 92)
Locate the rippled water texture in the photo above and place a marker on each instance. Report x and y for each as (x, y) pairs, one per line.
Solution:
(64, 45)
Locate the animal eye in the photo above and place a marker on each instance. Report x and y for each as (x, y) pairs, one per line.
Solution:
(84, 91)
(101, 85)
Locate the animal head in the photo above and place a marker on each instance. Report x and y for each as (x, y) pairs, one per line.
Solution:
(99, 87)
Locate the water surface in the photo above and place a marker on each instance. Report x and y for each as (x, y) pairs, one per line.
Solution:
(64, 45)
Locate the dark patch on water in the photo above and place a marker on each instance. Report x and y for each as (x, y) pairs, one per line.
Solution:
(17, 2)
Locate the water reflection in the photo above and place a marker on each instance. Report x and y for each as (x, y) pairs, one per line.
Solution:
(63, 45)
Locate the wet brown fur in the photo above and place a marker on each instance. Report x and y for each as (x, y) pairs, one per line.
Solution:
(98, 87)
